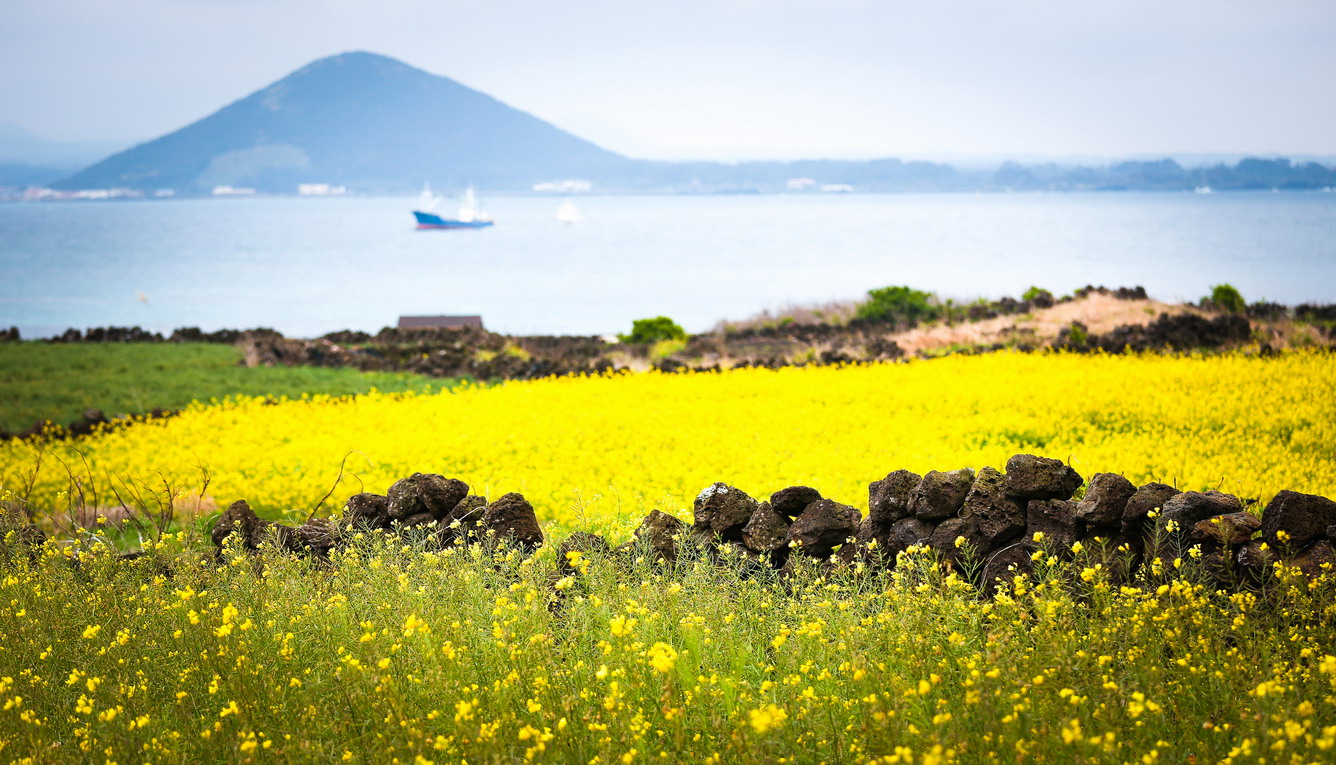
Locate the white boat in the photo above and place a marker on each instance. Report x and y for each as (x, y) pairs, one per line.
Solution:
(470, 214)
(568, 213)
(1204, 190)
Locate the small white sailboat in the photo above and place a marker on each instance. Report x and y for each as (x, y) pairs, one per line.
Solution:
(568, 213)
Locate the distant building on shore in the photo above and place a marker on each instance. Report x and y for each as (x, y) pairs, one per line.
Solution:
(439, 322)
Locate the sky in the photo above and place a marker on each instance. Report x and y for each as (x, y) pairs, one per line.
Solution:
(726, 79)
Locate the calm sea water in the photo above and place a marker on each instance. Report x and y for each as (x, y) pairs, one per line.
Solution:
(310, 266)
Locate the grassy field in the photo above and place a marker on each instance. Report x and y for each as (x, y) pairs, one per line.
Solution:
(395, 654)
(398, 653)
(596, 453)
(59, 382)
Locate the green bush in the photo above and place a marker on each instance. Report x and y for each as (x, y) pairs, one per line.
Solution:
(903, 305)
(1228, 299)
(1037, 293)
(646, 331)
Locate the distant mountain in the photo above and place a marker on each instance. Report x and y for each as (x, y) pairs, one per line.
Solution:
(361, 120)
(375, 124)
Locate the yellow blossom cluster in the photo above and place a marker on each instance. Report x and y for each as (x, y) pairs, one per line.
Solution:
(390, 653)
(599, 451)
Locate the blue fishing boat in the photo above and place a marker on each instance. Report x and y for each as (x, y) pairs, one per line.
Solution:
(470, 215)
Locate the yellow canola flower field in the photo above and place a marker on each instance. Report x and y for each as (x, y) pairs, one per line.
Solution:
(600, 451)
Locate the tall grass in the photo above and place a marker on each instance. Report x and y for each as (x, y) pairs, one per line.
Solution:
(393, 653)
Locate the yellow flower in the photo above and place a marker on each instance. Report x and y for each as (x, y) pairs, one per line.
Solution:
(766, 718)
(662, 657)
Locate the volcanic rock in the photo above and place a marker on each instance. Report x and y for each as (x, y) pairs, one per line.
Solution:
(1032, 477)
(659, 532)
(238, 518)
(823, 526)
(1231, 529)
(766, 531)
(1139, 505)
(939, 495)
(421, 519)
(585, 544)
(512, 518)
(1105, 500)
(888, 499)
(371, 511)
(425, 493)
(996, 515)
(1314, 557)
(722, 510)
(1056, 519)
(791, 502)
(1005, 565)
(1304, 517)
(1187, 508)
(943, 539)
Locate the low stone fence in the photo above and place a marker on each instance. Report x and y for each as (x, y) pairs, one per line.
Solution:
(987, 525)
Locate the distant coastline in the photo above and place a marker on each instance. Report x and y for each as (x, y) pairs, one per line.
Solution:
(362, 123)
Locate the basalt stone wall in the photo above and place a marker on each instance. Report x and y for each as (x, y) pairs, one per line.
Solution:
(988, 525)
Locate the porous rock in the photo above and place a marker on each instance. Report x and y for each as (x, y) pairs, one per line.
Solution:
(888, 499)
(1312, 559)
(1303, 517)
(1255, 559)
(1056, 519)
(238, 518)
(996, 515)
(277, 534)
(1033, 477)
(319, 535)
(943, 539)
(1005, 565)
(421, 519)
(1147, 499)
(823, 526)
(462, 522)
(367, 510)
(1187, 508)
(766, 531)
(939, 495)
(1231, 529)
(659, 532)
(1105, 500)
(425, 493)
(791, 502)
(722, 510)
(581, 542)
(512, 518)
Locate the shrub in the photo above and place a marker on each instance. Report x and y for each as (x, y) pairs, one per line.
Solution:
(1039, 297)
(1227, 299)
(903, 305)
(646, 331)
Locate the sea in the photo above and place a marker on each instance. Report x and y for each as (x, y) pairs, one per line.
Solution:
(311, 265)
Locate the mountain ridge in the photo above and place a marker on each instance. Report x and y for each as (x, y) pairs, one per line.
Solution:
(374, 124)
(359, 119)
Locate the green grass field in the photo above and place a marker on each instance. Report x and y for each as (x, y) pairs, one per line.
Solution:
(59, 382)
(393, 653)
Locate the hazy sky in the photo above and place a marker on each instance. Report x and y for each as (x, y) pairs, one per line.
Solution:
(725, 79)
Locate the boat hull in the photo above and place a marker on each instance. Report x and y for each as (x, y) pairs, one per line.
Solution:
(432, 221)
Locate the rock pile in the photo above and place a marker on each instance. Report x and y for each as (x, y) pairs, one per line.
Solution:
(988, 526)
(442, 506)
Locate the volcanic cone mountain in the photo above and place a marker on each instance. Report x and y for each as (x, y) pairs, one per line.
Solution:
(361, 120)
